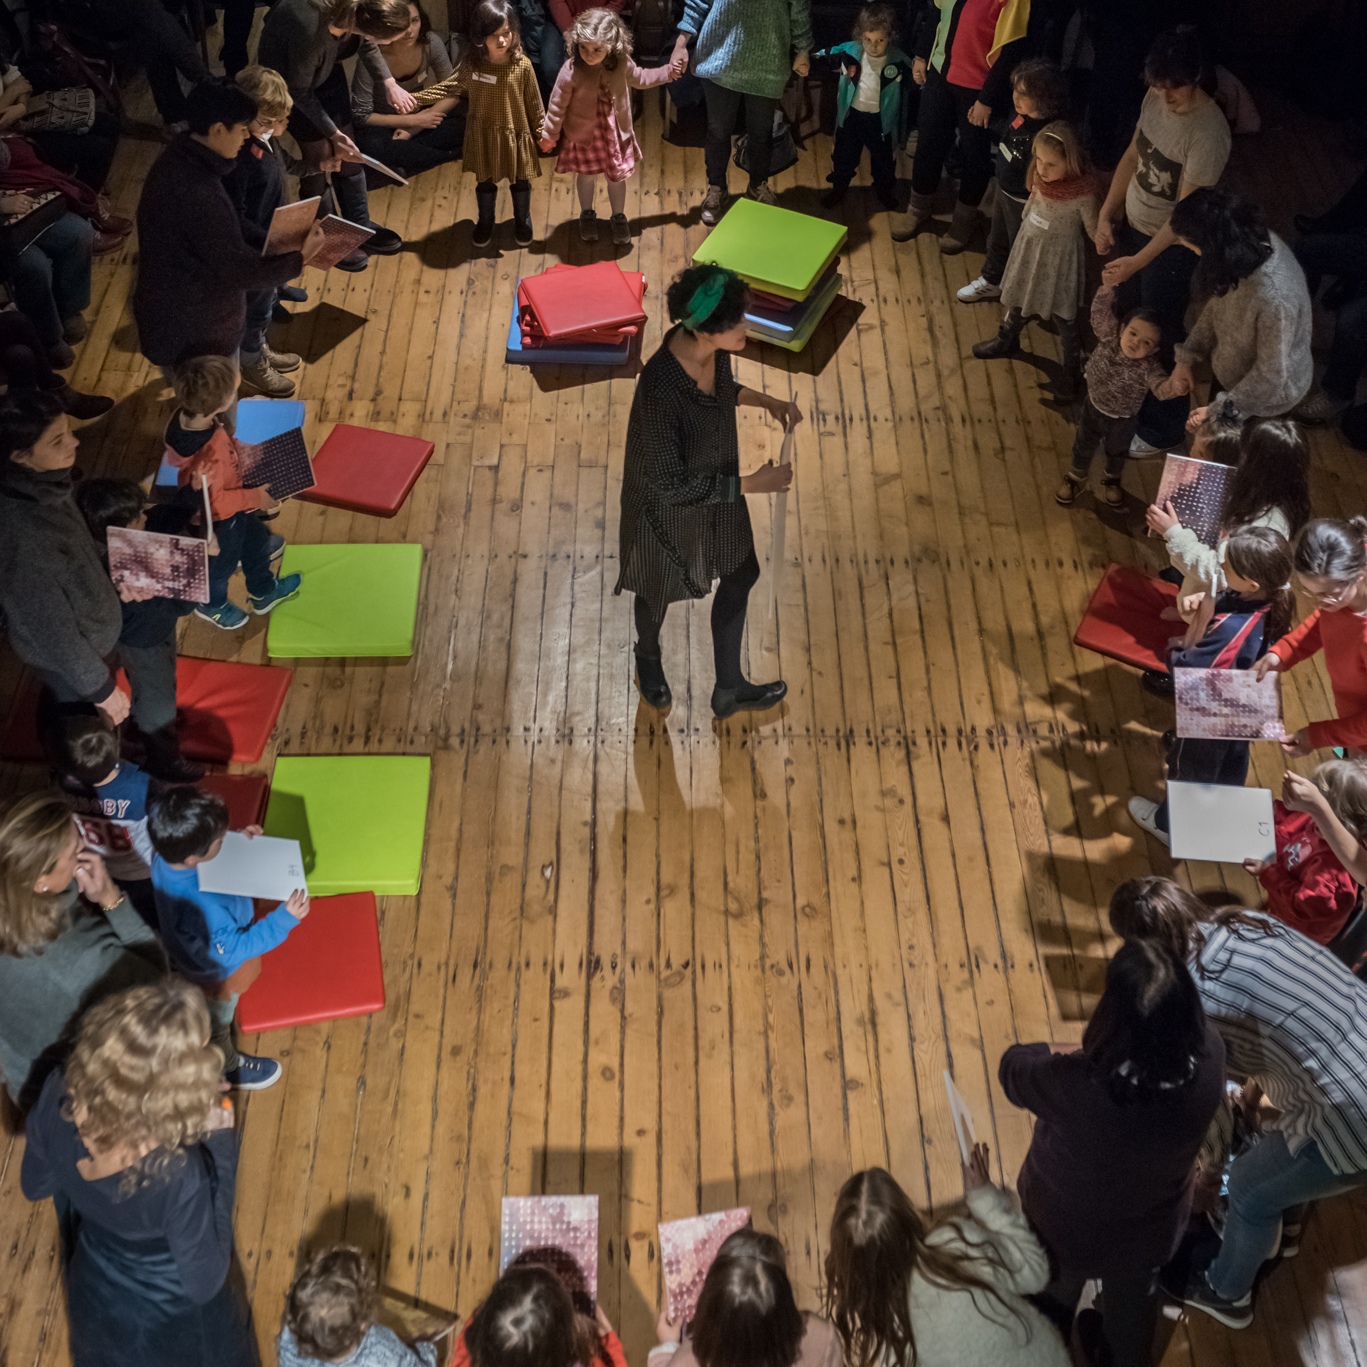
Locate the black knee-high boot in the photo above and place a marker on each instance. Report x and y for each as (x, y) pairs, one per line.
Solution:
(486, 200)
(522, 212)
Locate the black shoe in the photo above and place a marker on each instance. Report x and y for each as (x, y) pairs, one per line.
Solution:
(1003, 344)
(650, 679)
(381, 242)
(293, 294)
(1091, 1336)
(747, 698)
(522, 232)
(886, 196)
(82, 407)
(835, 195)
(353, 262)
(1158, 682)
(483, 233)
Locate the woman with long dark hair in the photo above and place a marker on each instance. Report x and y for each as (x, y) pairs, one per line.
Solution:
(1107, 1181)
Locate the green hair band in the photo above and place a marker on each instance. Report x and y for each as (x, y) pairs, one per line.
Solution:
(704, 300)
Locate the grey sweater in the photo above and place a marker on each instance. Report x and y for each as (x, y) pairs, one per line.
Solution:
(1257, 338)
(62, 614)
(44, 993)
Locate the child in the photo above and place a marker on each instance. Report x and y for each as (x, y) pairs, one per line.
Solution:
(210, 937)
(330, 1317)
(1044, 276)
(109, 796)
(1255, 606)
(147, 641)
(1120, 372)
(871, 106)
(256, 186)
(202, 448)
(1040, 96)
(592, 103)
(504, 124)
(1307, 886)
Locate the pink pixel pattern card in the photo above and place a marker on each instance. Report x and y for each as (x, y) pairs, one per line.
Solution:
(152, 564)
(559, 1232)
(1196, 489)
(1226, 704)
(687, 1248)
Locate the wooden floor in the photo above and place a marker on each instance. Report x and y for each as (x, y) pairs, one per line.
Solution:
(678, 963)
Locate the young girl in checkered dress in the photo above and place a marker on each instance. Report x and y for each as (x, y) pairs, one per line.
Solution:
(590, 110)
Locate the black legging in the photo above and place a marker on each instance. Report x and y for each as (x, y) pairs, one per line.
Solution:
(728, 622)
(944, 108)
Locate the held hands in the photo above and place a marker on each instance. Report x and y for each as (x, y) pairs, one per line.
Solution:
(802, 65)
(94, 881)
(427, 118)
(399, 99)
(547, 144)
(1197, 417)
(1161, 519)
(297, 903)
(976, 1172)
(116, 707)
(678, 64)
(1113, 272)
(979, 114)
(1104, 237)
(918, 70)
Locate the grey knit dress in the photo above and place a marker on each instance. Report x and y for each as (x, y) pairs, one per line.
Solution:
(1044, 275)
(684, 519)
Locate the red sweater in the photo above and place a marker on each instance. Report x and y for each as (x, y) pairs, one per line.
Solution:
(1307, 888)
(1343, 637)
(613, 1356)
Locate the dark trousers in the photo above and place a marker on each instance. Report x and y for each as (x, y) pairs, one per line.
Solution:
(260, 304)
(1164, 285)
(944, 111)
(1129, 1313)
(723, 108)
(238, 16)
(728, 623)
(425, 149)
(166, 49)
(862, 129)
(1343, 256)
(1099, 429)
(1204, 761)
(1001, 235)
(243, 539)
(151, 674)
(348, 183)
(23, 358)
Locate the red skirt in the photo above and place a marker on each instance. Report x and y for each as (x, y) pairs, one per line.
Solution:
(608, 153)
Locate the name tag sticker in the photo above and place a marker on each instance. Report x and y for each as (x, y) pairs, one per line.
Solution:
(1037, 219)
(483, 76)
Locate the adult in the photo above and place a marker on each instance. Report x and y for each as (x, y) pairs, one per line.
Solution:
(136, 1148)
(1180, 144)
(306, 41)
(953, 1295)
(66, 126)
(25, 365)
(1107, 1181)
(1342, 255)
(1254, 327)
(1294, 1022)
(1330, 562)
(423, 138)
(744, 52)
(963, 55)
(68, 938)
(684, 519)
(61, 612)
(194, 268)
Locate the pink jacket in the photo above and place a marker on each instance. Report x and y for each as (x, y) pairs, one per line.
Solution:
(574, 101)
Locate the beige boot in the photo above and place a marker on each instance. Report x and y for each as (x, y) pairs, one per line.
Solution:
(961, 229)
(906, 226)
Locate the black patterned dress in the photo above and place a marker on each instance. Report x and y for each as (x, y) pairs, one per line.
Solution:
(684, 519)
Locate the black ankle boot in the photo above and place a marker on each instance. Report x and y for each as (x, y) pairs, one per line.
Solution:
(1003, 344)
(522, 212)
(650, 679)
(486, 200)
(748, 697)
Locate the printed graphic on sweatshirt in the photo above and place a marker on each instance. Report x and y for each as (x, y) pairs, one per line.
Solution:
(1156, 175)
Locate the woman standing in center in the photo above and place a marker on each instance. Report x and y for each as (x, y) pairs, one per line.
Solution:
(684, 520)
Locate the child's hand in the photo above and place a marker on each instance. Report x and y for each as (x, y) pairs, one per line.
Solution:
(678, 66)
(1256, 866)
(547, 144)
(976, 1172)
(604, 1324)
(1119, 270)
(802, 65)
(1162, 519)
(1197, 417)
(979, 114)
(918, 70)
(297, 903)
(1104, 239)
(666, 1329)
(1297, 746)
(1266, 665)
(1191, 605)
(1300, 795)
(427, 118)
(220, 1115)
(251, 832)
(116, 707)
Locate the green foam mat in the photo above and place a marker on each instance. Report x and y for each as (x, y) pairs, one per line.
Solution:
(354, 601)
(774, 249)
(359, 819)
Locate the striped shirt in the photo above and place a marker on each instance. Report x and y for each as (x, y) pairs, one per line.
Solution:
(1294, 1019)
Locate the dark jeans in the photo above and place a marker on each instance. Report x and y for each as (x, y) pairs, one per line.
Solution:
(1164, 285)
(86, 156)
(723, 108)
(348, 183)
(259, 306)
(1204, 761)
(428, 148)
(1344, 256)
(728, 623)
(23, 358)
(238, 16)
(163, 45)
(944, 111)
(1001, 236)
(151, 674)
(50, 281)
(1099, 429)
(243, 539)
(862, 129)
(1129, 1313)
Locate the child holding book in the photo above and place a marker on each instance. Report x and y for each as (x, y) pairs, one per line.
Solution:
(590, 111)
(1044, 276)
(210, 937)
(202, 449)
(1308, 887)
(1255, 607)
(871, 104)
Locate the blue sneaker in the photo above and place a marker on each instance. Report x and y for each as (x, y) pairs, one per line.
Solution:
(283, 588)
(253, 1074)
(229, 616)
(276, 546)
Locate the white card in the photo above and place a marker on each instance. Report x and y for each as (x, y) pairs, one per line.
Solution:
(1220, 823)
(963, 1118)
(264, 866)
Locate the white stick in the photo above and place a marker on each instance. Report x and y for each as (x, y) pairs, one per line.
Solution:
(963, 1118)
(780, 524)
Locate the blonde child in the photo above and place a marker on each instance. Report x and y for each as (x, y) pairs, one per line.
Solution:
(590, 111)
(505, 121)
(1044, 275)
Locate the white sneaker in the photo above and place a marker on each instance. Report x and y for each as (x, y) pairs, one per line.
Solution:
(1143, 811)
(1141, 450)
(979, 289)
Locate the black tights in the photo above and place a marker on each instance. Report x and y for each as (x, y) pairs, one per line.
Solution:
(728, 623)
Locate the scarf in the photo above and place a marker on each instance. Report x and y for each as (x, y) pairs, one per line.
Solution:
(1076, 188)
(22, 170)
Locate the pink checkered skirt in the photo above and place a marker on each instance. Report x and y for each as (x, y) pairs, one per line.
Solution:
(609, 153)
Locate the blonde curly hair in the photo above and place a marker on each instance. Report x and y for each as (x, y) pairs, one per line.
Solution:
(143, 1073)
(34, 832)
(605, 28)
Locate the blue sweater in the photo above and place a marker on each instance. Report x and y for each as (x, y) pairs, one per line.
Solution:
(210, 935)
(748, 45)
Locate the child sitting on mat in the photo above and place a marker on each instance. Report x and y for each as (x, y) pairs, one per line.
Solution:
(1227, 632)
(210, 937)
(1307, 885)
(201, 448)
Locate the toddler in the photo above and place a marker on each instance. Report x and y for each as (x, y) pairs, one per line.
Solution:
(202, 448)
(1120, 372)
(1044, 275)
(871, 107)
(591, 106)
(211, 938)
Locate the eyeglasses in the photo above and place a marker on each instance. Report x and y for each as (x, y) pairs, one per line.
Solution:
(1337, 592)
